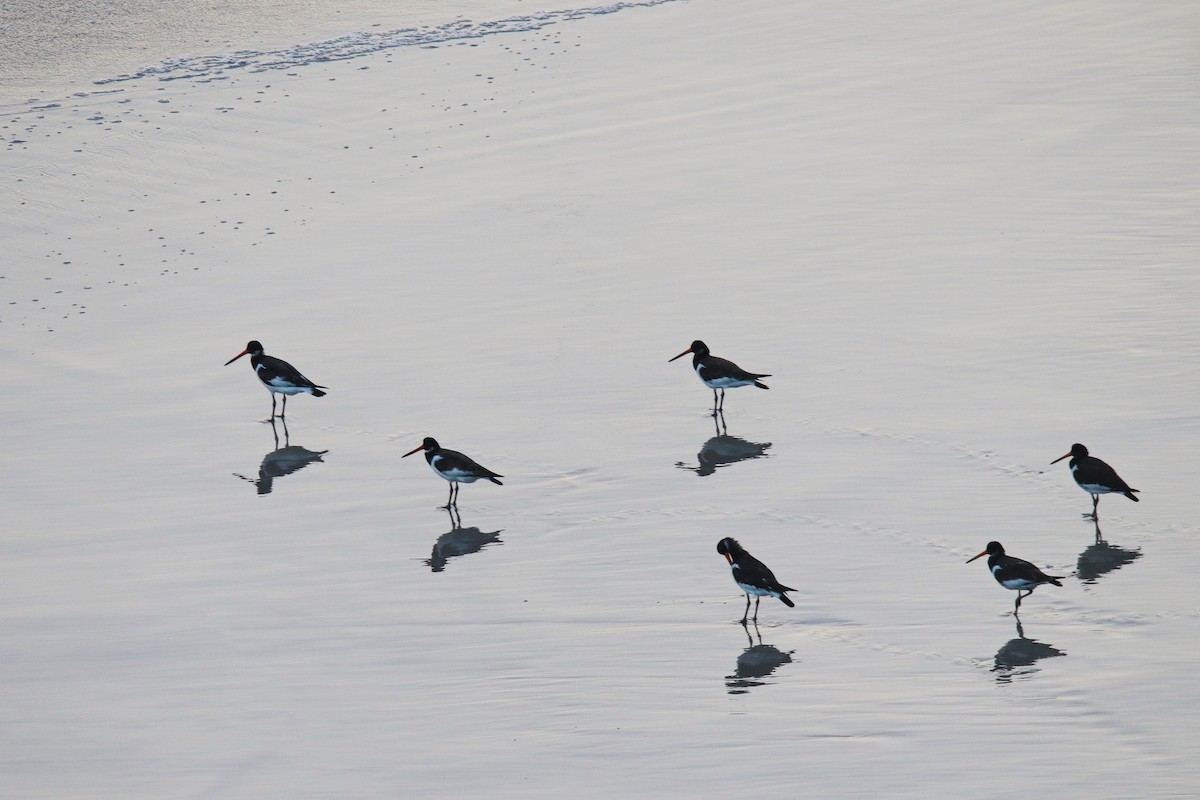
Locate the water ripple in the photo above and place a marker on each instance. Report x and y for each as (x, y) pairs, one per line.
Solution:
(354, 45)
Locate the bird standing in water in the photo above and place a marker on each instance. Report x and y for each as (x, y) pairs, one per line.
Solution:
(752, 576)
(1095, 477)
(453, 466)
(719, 373)
(278, 376)
(1014, 573)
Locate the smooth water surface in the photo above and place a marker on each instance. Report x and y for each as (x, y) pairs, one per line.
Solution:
(959, 239)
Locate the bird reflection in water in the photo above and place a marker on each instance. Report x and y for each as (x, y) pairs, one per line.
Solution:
(282, 460)
(723, 449)
(756, 662)
(1102, 558)
(459, 541)
(1017, 657)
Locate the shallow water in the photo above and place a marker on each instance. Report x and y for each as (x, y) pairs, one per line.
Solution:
(958, 246)
(52, 48)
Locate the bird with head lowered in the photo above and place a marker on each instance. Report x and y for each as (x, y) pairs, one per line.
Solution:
(752, 576)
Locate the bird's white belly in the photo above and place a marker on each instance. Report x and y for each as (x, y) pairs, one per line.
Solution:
(278, 385)
(757, 591)
(722, 383)
(286, 388)
(452, 475)
(1016, 584)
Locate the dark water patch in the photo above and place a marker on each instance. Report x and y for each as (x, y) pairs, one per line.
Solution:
(362, 43)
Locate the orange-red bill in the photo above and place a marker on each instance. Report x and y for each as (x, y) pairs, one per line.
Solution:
(681, 355)
(235, 358)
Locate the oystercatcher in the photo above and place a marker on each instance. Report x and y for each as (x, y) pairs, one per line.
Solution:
(752, 576)
(1014, 573)
(277, 375)
(1095, 477)
(453, 466)
(718, 373)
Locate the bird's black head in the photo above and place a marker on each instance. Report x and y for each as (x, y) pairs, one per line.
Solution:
(993, 549)
(729, 548)
(698, 347)
(429, 444)
(1077, 451)
(253, 348)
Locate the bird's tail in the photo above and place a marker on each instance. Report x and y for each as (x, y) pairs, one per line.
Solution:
(787, 601)
(493, 480)
(760, 384)
(1131, 496)
(1054, 579)
(316, 392)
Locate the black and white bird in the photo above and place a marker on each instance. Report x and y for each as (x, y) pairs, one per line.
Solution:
(1014, 573)
(718, 373)
(453, 466)
(1095, 477)
(752, 576)
(278, 376)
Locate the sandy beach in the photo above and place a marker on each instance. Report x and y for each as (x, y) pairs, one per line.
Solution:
(959, 239)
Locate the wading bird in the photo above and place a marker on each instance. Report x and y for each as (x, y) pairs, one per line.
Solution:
(278, 376)
(718, 373)
(1014, 573)
(452, 466)
(752, 576)
(1095, 477)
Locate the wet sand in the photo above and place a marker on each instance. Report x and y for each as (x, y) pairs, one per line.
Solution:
(959, 239)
